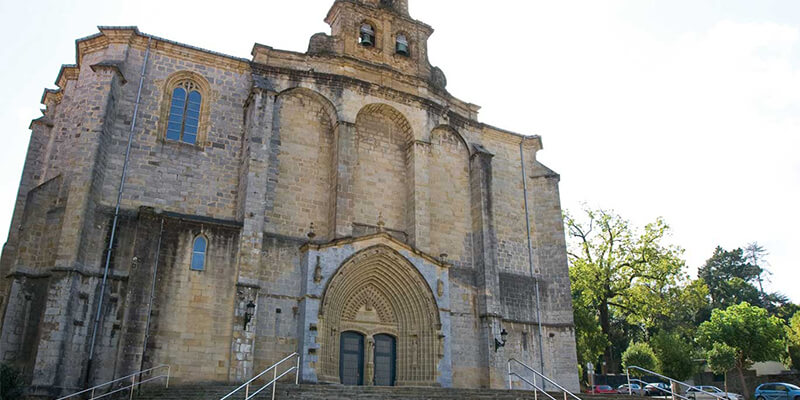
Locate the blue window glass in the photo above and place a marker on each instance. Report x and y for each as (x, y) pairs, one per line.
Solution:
(184, 113)
(176, 114)
(199, 254)
(192, 120)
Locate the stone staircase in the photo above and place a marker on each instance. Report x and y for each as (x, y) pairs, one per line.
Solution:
(287, 391)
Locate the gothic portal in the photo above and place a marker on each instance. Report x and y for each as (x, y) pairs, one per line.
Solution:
(381, 296)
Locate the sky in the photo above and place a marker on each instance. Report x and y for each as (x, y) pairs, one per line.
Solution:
(683, 109)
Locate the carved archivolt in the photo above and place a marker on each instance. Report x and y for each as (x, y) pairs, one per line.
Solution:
(379, 291)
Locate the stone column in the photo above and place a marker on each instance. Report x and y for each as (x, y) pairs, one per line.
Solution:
(254, 180)
(41, 130)
(419, 215)
(369, 362)
(346, 158)
(254, 200)
(485, 255)
(244, 334)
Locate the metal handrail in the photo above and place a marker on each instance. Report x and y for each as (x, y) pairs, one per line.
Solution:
(536, 389)
(628, 373)
(273, 382)
(544, 378)
(133, 384)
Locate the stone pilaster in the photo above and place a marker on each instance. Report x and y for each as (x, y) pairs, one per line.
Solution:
(346, 158)
(244, 334)
(418, 210)
(41, 129)
(485, 255)
(255, 179)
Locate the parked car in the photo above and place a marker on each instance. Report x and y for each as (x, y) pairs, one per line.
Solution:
(636, 389)
(657, 389)
(777, 391)
(600, 389)
(604, 389)
(711, 393)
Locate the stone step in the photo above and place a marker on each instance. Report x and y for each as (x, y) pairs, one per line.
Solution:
(287, 391)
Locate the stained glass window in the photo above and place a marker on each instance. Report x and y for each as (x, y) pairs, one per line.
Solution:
(199, 254)
(184, 113)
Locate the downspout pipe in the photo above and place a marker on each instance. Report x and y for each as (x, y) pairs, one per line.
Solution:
(114, 224)
(152, 295)
(530, 262)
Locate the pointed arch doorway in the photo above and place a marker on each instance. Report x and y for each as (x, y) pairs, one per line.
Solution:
(379, 323)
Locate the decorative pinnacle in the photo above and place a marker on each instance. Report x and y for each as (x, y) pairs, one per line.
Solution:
(381, 224)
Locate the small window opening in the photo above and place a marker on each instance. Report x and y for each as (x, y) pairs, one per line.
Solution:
(402, 45)
(199, 254)
(367, 37)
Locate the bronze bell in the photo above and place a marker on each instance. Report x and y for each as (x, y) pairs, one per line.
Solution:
(367, 36)
(402, 45)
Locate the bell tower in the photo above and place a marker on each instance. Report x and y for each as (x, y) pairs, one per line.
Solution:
(380, 32)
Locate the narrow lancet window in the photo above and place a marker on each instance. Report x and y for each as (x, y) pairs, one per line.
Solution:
(199, 254)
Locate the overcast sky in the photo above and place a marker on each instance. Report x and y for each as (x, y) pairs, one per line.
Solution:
(685, 109)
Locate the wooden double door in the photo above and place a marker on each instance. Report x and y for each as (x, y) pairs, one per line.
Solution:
(352, 356)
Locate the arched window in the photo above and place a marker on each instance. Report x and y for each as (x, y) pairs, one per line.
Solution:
(184, 113)
(367, 37)
(199, 253)
(401, 45)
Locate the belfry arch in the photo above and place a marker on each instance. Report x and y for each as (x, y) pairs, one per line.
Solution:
(377, 292)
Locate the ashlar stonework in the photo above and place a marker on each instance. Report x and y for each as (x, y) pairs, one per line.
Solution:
(346, 206)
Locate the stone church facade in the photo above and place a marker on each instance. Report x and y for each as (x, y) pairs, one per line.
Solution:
(338, 203)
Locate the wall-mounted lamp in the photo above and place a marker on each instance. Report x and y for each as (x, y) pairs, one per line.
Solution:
(248, 315)
(502, 342)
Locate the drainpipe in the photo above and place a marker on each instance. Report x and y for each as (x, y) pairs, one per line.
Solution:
(116, 214)
(152, 295)
(530, 264)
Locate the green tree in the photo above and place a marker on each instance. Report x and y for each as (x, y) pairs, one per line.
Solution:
(639, 355)
(730, 278)
(721, 360)
(757, 255)
(589, 339)
(674, 355)
(750, 331)
(737, 275)
(793, 336)
(625, 273)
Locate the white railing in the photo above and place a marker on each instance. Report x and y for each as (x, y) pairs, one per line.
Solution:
(536, 389)
(670, 392)
(124, 380)
(273, 382)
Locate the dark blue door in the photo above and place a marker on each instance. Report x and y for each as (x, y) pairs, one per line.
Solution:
(351, 359)
(385, 360)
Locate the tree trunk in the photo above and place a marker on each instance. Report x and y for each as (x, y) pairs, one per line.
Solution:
(725, 378)
(605, 326)
(745, 392)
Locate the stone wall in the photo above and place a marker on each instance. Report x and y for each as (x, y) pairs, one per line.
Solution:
(303, 191)
(451, 219)
(380, 179)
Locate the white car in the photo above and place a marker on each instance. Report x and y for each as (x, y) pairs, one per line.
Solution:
(636, 389)
(711, 393)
